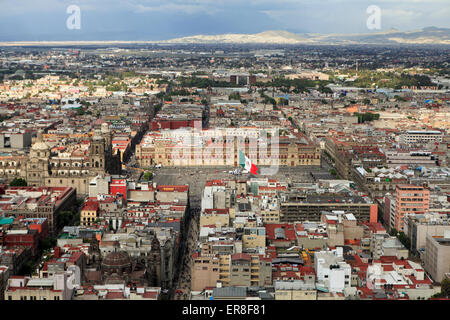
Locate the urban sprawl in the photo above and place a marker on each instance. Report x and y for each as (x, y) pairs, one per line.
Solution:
(199, 172)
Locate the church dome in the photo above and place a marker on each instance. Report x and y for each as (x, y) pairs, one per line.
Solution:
(117, 260)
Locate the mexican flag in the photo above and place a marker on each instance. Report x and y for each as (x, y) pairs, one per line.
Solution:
(245, 163)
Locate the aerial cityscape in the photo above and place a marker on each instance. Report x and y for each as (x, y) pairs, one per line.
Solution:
(262, 164)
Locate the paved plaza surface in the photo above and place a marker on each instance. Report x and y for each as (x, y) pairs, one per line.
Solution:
(197, 177)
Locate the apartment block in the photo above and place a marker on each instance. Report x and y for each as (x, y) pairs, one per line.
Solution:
(333, 273)
(409, 199)
(437, 256)
(295, 290)
(419, 226)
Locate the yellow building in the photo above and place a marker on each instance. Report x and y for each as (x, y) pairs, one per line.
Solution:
(254, 237)
(89, 213)
(224, 269)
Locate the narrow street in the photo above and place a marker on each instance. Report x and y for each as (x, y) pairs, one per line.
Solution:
(182, 287)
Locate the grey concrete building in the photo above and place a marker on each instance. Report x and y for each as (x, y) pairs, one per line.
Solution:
(437, 256)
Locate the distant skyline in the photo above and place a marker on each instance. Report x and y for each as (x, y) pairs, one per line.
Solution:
(41, 20)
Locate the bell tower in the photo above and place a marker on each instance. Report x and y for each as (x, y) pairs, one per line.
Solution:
(106, 133)
(97, 154)
(155, 263)
(37, 167)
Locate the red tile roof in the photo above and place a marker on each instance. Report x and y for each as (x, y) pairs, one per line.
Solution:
(241, 256)
(114, 295)
(288, 230)
(217, 211)
(90, 206)
(150, 295)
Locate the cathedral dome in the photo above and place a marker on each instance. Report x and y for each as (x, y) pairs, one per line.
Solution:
(40, 144)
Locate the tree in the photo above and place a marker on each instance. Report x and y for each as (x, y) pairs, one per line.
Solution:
(368, 116)
(234, 96)
(283, 102)
(445, 287)
(80, 111)
(64, 218)
(47, 243)
(399, 98)
(324, 89)
(147, 175)
(393, 232)
(404, 239)
(27, 268)
(18, 182)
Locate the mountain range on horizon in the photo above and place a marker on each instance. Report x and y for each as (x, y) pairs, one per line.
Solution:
(429, 35)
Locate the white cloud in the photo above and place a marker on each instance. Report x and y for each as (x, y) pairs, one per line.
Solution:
(175, 7)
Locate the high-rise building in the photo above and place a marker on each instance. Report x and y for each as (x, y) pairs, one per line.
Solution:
(408, 199)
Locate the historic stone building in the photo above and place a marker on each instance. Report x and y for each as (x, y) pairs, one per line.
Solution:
(126, 266)
(42, 167)
(169, 151)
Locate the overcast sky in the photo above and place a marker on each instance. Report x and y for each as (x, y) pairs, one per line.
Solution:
(40, 20)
